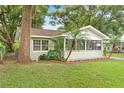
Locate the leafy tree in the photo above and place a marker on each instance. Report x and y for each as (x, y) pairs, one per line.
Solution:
(61, 28)
(38, 16)
(115, 40)
(110, 45)
(59, 47)
(10, 19)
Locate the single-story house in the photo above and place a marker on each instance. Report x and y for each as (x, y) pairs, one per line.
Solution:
(89, 43)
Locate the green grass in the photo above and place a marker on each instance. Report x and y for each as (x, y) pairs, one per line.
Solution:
(90, 74)
(121, 55)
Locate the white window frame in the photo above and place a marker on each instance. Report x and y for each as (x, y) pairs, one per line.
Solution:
(44, 45)
(40, 45)
(36, 45)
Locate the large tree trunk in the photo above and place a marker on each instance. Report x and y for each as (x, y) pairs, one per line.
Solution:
(24, 50)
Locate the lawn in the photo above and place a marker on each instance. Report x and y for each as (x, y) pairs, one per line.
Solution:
(121, 55)
(83, 75)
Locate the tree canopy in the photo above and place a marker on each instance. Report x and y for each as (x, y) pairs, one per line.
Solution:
(10, 19)
(108, 19)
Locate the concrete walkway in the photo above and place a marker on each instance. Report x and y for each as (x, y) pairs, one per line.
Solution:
(117, 58)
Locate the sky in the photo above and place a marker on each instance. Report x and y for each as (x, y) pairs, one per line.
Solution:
(47, 19)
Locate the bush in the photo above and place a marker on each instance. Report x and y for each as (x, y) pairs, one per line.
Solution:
(16, 45)
(42, 57)
(52, 54)
(106, 52)
(61, 58)
(16, 48)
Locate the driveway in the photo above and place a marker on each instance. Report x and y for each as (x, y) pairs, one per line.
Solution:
(117, 58)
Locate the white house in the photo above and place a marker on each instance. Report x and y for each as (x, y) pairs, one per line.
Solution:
(89, 43)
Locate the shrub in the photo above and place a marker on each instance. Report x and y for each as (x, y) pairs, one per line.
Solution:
(52, 54)
(106, 52)
(16, 45)
(16, 48)
(42, 57)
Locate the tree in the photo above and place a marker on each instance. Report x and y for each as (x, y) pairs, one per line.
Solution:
(38, 16)
(24, 50)
(9, 20)
(61, 28)
(115, 40)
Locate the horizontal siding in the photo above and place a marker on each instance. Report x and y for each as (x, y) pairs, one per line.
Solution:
(83, 54)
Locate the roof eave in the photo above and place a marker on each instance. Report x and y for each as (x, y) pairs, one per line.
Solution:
(41, 36)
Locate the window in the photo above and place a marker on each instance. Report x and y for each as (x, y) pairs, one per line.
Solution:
(39, 45)
(80, 44)
(98, 45)
(44, 44)
(89, 45)
(36, 45)
(93, 45)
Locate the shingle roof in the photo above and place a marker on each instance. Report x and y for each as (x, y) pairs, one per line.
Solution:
(45, 32)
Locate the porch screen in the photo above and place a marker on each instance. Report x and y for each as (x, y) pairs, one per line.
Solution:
(79, 44)
(68, 44)
(93, 45)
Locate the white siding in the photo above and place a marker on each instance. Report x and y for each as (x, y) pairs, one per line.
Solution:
(83, 54)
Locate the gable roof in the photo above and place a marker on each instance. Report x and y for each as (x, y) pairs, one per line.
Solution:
(44, 32)
(95, 31)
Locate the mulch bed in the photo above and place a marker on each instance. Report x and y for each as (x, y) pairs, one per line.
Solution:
(86, 60)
